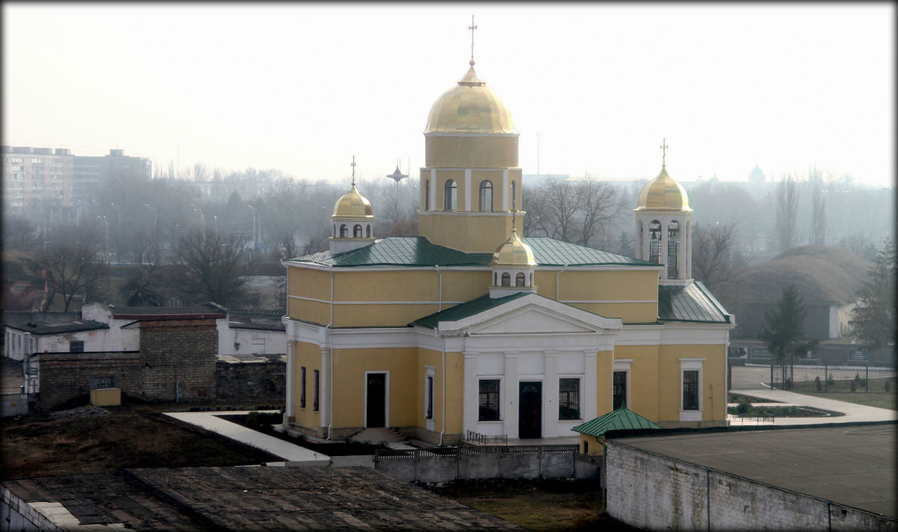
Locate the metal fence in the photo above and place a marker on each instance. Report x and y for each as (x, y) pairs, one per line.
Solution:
(826, 378)
(486, 439)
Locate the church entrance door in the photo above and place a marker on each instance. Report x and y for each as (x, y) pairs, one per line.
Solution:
(376, 406)
(530, 398)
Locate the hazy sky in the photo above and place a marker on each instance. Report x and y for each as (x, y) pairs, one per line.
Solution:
(303, 87)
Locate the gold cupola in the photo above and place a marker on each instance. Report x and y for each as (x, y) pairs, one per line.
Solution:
(352, 220)
(470, 107)
(513, 265)
(663, 194)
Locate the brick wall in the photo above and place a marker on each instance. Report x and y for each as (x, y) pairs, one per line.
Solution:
(262, 381)
(178, 359)
(65, 376)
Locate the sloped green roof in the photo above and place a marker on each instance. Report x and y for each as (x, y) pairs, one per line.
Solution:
(399, 251)
(418, 251)
(551, 252)
(468, 308)
(692, 302)
(620, 419)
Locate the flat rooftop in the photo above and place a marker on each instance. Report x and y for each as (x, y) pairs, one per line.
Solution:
(851, 464)
(249, 498)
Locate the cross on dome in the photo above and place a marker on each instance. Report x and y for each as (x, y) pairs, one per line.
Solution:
(664, 147)
(472, 27)
(353, 170)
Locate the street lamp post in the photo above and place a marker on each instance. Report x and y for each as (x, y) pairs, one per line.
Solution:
(255, 239)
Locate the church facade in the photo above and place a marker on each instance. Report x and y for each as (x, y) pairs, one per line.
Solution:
(469, 328)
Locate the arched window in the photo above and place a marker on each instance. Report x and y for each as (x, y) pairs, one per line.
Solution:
(427, 195)
(639, 239)
(673, 240)
(506, 279)
(655, 242)
(486, 196)
(519, 279)
(357, 231)
(514, 196)
(450, 196)
(367, 231)
(344, 231)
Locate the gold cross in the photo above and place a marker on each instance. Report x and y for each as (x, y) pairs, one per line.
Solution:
(472, 27)
(353, 170)
(514, 213)
(663, 147)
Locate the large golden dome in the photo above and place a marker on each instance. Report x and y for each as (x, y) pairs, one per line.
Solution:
(514, 252)
(470, 107)
(663, 194)
(353, 205)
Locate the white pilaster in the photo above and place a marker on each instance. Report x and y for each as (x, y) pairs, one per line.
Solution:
(471, 393)
(291, 379)
(511, 395)
(550, 395)
(433, 189)
(468, 189)
(505, 190)
(324, 406)
(590, 401)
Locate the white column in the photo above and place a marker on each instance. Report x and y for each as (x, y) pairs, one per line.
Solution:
(291, 379)
(550, 395)
(468, 189)
(324, 406)
(591, 397)
(511, 410)
(471, 393)
(505, 190)
(433, 190)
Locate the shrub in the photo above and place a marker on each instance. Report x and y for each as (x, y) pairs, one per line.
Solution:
(817, 383)
(743, 407)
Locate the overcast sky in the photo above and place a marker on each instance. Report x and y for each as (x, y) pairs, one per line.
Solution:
(304, 87)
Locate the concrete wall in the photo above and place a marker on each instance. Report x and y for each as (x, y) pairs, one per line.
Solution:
(655, 492)
(15, 404)
(517, 462)
(258, 380)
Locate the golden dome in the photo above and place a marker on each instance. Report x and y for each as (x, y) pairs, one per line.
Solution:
(663, 194)
(470, 107)
(353, 205)
(514, 252)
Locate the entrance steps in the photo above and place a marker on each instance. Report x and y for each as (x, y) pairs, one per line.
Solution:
(381, 435)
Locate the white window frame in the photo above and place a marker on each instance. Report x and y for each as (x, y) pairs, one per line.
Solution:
(692, 364)
(501, 399)
(622, 364)
(581, 389)
(429, 375)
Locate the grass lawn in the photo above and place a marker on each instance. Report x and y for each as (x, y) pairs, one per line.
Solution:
(840, 390)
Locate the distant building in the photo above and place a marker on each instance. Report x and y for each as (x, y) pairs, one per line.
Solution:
(45, 182)
(756, 177)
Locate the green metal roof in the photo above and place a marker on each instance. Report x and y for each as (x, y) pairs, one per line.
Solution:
(551, 252)
(622, 418)
(692, 302)
(468, 308)
(418, 251)
(399, 251)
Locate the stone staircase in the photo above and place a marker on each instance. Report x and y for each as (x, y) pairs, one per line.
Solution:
(389, 437)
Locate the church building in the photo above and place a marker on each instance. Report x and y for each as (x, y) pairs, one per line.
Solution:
(470, 328)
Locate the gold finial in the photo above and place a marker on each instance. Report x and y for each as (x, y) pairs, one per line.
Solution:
(353, 170)
(472, 27)
(514, 231)
(664, 147)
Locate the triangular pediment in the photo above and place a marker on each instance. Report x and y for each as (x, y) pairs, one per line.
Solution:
(531, 314)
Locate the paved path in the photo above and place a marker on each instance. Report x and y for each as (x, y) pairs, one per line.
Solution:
(285, 450)
(853, 412)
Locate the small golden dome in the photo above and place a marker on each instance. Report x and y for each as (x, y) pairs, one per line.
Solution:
(470, 107)
(353, 205)
(514, 252)
(663, 194)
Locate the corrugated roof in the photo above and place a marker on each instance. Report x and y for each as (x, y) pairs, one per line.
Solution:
(418, 251)
(692, 302)
(621, 419)
(469, 308)
(551, 252)
(399, 251)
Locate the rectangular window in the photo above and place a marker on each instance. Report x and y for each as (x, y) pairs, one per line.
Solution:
(302, 387)
(489, 400)
(428, 412)
(76, 346)
(690, 390)
(619, 389)
(315, 399)
(569, 399)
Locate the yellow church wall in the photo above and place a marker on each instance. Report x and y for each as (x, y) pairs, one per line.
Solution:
(404, 285)
(713, 380)
(380, 315)
(312, 284)
(350, 366)
(631, 285)
(643, 378)
(474, 232)
(471, 152)
(465, 285)
(309, 356)
(627, 312)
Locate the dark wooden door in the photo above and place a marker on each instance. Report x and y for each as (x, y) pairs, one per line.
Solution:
(530, 397)
(377, 400)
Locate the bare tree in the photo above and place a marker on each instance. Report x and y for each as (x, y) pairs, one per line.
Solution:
(599, 204)
(71, 264)
(211, 267)
(19, 234)
(817, 235)
(787, 196)
(711, 253)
